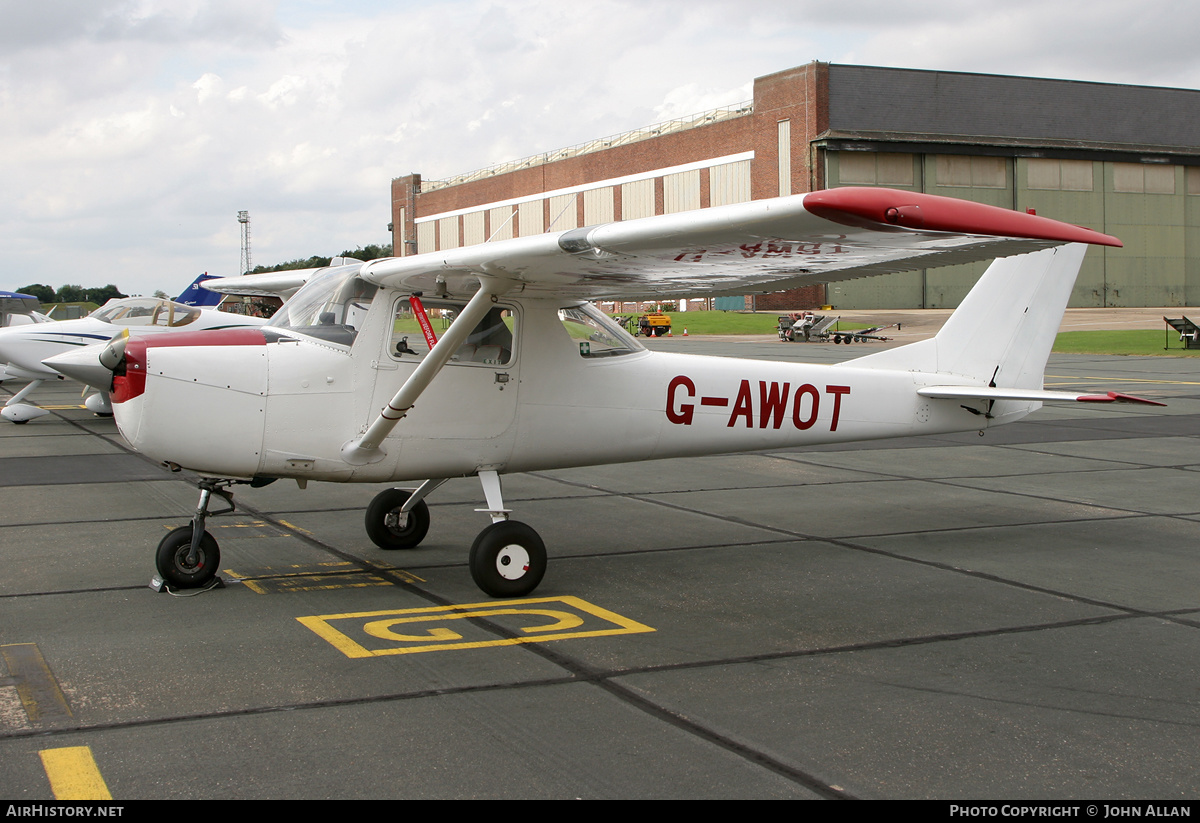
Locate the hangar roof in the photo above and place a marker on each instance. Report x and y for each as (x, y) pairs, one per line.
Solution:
(935, 106)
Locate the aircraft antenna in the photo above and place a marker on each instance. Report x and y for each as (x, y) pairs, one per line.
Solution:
(244, 219)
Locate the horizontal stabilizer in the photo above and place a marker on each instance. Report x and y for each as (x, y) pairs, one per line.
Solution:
(1036, 395)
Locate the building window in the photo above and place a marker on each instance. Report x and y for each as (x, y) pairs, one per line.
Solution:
(729, 183)
(785, 157)
(637, 199)
(563, 212)
(448, 233)
(976, 172)
(1135, 178)
(681, 191)
(426, 237)
(531, 217)
(1193, 180)
(473, 229)
(1059, 175)
(875, 168)
(501, 220)
(598, 206)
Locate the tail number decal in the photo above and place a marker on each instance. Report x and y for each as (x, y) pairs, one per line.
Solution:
(774, 401)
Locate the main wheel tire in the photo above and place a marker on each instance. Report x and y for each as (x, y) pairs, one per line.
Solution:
(383, 521)
(171, 559)
(508, 559)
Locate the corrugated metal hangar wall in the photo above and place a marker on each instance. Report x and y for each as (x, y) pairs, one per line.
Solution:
(1124, 160)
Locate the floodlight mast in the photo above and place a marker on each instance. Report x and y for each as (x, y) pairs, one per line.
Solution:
(244, 219)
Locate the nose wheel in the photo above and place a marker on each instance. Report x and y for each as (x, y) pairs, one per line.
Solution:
(179, 566)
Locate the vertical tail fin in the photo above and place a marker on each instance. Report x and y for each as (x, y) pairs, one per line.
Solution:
(1002, 332)
(194, 295)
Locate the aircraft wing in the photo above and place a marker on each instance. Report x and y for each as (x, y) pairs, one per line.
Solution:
(282, 284)
(760, 246)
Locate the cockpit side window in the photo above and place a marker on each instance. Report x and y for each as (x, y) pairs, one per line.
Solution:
(595, 334)
(490, 343)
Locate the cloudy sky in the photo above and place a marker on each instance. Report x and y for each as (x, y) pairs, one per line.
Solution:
(133, 131)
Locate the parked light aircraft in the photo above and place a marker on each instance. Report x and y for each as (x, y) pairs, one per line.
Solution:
(18, 309)
(24, 348)
(198, 297)
(350, 382)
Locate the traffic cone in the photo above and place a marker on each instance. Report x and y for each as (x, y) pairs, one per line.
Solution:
(685, 332)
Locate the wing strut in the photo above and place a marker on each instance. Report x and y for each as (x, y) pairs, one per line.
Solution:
(366, 449)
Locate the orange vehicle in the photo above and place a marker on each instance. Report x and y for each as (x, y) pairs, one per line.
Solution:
(655, 324)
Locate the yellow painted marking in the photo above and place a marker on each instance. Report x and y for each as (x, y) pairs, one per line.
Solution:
(1077, 379)
(307, 578)
(294, 528)
(382, 628)
(577, 618)
(313, 583)
(63, 408)
(73, 774)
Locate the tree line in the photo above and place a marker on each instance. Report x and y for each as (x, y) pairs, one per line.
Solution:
(72, 293)
(100, 296)
(370, 252)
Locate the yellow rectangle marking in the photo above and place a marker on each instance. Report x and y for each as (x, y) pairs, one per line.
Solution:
(375, 634)
(73, 774)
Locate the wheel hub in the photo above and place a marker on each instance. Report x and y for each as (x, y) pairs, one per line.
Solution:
(512, 562)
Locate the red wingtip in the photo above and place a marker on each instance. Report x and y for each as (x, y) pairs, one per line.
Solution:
(879, 208)
(1117, 397)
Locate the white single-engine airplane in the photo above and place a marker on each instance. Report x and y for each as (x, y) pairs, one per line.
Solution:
(349, 381)
(24, 348)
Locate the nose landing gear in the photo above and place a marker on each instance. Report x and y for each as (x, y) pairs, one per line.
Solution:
(188, 557)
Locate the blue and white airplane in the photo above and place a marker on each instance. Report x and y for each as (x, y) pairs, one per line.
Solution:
(24, 347)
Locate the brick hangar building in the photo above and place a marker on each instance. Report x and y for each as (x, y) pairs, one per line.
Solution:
(1124, 160)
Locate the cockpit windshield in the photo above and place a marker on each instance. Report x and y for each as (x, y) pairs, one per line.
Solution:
(146, 311)
(332, 306)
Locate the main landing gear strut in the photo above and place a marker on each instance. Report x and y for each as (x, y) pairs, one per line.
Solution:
(508, 559)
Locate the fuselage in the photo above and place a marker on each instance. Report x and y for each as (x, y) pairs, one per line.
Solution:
(547, 395)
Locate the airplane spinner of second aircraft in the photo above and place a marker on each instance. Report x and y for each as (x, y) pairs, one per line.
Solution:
(26, 343)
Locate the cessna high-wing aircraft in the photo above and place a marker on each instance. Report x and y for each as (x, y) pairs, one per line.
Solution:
(24, 348)
(350, 382)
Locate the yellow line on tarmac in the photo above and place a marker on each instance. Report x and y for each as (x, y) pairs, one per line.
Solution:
(73, 774)
(1079, 379)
